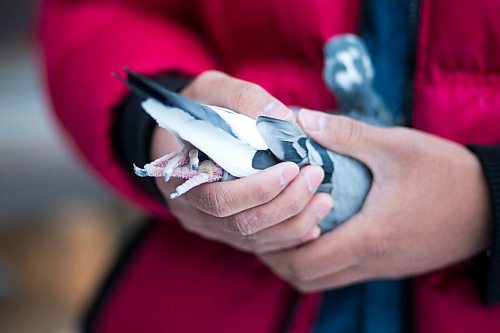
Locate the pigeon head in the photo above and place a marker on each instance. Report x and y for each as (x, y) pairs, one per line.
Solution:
(348, 70)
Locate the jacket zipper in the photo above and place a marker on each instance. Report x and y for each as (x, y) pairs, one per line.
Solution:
(291, 312)
(413, 20)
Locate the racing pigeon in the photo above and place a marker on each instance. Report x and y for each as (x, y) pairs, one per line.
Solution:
(348, 73)
(210, 132)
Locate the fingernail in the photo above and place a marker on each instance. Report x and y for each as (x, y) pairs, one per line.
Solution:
(313, 234)
(288, 174)
(278, 111)
(313, 176)
(312, 120)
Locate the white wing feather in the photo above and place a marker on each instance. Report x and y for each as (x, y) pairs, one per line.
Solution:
(242, 126)
(233, 155)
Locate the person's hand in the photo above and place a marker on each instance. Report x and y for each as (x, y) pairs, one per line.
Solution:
(428, 207)
(274, 209)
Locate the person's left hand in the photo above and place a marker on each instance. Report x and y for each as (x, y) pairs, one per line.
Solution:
(428, 207)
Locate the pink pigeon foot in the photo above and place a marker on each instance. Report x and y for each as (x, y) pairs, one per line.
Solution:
(208, 172)
(182, 164)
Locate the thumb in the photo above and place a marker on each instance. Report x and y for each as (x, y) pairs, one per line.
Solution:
(343, 135)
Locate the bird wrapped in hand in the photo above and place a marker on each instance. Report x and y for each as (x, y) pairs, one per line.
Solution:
(220, 144)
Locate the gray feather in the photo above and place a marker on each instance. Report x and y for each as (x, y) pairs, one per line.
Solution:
(348, 73)
(285, 139)
(289, 142)
(347, 179)
(350, 183)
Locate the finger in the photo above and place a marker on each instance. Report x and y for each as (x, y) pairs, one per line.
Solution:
(263, 247)
(203, 225)
(228, 198)
(329, 254)
(343, 135)
(257, 246)
(299, 226)
(343, 278)
(286, 205)
(216, 88)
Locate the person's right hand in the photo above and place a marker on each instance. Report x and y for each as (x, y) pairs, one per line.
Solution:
(272, 210)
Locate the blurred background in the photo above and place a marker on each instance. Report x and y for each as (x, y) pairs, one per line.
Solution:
(59, 228)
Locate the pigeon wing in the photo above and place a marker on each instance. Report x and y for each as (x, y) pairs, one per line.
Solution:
(230, 139)
(285, 139)
(289, 142)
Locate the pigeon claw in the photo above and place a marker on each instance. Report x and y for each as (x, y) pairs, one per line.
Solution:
(178, 160)
(155, 168)
(194, 160)
(208, 172)
(184, 164)
(140, 171)
(175, 195)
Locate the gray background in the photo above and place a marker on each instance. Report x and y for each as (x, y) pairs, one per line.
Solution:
(59, 228)
(37, 170)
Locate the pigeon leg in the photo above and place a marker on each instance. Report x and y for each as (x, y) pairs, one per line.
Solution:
(184, 172)
(208, 172)
(181, 158)
(155, 168)
(165, 165)
(183, 164)
(194, 160)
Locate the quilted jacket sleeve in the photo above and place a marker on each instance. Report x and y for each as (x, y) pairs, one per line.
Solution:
(489, 264)
(84, 41)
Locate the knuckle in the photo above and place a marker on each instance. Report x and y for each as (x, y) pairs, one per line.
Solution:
(195, 89)
(296, 271)
(222, 207)
(299, 229)
(349, 131)
(204, 200)
(246, 93)
(211, 75)
(215, 203)
(264, 192)
(244, 225)
(294, 205)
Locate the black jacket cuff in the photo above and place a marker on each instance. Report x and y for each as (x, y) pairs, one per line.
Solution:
(489, 271)
(133, 130)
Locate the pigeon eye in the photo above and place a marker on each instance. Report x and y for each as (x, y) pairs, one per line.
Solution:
(340, 67)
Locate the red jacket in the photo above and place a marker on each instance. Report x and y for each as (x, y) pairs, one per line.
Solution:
(178, 282)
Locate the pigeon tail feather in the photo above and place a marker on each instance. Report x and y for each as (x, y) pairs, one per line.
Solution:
(148, 88)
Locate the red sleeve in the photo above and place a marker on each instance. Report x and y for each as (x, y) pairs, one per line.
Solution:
(84, 42)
